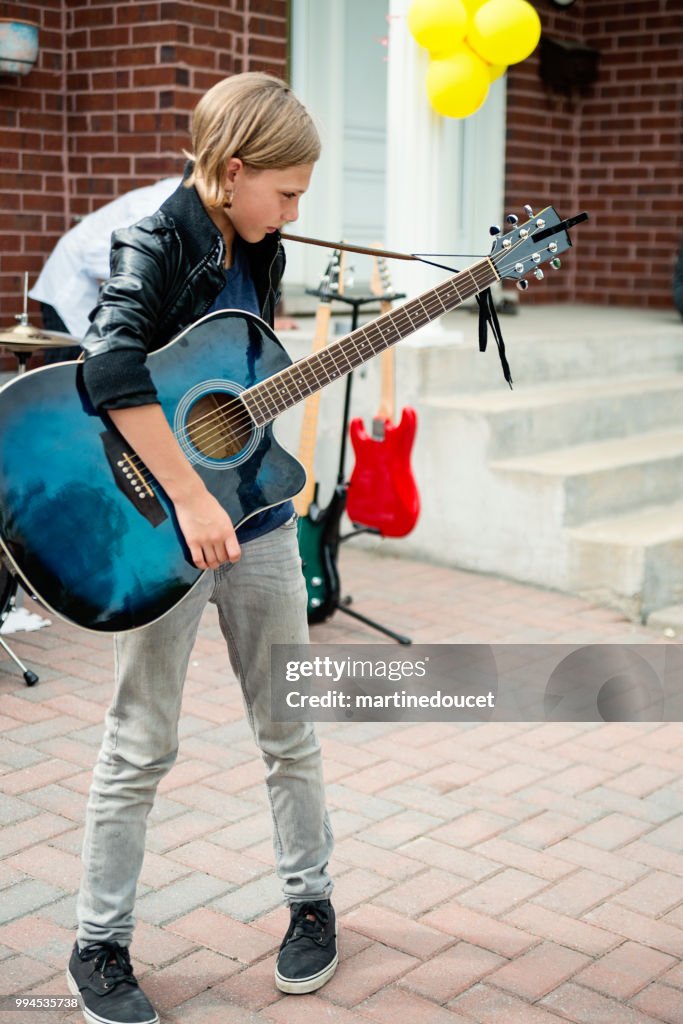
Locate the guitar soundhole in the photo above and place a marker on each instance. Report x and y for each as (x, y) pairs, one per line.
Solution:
(218, 425)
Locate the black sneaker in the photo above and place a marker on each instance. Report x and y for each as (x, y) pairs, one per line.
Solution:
(102, 978)
(308, 954)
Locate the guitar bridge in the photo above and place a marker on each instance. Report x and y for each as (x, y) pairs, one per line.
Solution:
(131, 479)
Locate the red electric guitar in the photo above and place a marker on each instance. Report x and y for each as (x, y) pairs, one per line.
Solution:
(382, 491)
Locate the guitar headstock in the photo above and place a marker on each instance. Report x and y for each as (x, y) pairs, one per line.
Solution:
(329, 282)
(380, 281)
(527, 246)
(334, 279)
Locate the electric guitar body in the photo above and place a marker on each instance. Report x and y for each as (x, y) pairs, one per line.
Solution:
(382, 491)
(319, 527)
(319, 545)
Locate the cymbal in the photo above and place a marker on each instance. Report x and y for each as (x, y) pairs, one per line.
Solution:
(26, 336)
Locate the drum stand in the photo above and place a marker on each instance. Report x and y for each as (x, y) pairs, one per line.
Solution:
(30, 678)
(23, 340)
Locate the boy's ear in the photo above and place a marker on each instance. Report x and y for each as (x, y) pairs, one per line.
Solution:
(234, 166)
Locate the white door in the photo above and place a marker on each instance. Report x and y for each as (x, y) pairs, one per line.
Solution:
(391, 170)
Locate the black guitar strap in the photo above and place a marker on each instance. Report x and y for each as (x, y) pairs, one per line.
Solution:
(489, 317)
(487, 310)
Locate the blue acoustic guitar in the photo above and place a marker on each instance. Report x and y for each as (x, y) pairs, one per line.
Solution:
(82, 522)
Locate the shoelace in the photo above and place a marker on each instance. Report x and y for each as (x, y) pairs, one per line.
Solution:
(112, 961)
(310, 921)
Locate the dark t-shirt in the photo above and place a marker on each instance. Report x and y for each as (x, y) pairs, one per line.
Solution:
(239, 293)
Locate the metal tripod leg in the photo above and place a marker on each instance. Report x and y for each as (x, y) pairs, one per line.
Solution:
(30, 678)
(343, 607)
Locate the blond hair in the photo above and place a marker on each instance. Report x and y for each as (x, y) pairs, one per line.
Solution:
(255, 117)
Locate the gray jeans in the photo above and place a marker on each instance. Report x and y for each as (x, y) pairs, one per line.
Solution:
(260, 600)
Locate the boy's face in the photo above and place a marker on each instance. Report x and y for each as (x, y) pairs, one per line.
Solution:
(264, 201)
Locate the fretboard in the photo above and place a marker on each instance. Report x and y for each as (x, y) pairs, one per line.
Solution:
(276, 394)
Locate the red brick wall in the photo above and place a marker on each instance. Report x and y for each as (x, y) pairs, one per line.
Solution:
(616, 151)
(32, 156)
(136, 70)
(106, 109)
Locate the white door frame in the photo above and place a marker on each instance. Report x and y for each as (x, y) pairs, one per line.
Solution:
(445, 178)
(317, 78)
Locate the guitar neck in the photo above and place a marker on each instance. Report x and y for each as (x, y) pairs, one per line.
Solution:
(267, 399)
(309, 423)
(387, 377)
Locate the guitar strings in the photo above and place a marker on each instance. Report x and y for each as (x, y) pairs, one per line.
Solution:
(430, 310)
(221, 428)
(217, 435)
(243, 418)
(247, 419)
(224, 433)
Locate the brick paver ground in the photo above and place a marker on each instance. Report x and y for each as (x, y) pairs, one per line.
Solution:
(498, 872)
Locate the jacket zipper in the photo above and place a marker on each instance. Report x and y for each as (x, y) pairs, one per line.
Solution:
(219, 263)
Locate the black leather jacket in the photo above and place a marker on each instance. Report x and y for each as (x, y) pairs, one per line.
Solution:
(166, 272)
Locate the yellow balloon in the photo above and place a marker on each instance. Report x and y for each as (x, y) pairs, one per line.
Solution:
(504, 31)
(458, 84)
(497, 71)
(473, 5)
(438, 25)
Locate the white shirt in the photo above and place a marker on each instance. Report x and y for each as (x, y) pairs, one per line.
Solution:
(71, 277)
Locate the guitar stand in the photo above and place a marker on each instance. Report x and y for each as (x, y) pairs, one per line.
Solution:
(343, 604)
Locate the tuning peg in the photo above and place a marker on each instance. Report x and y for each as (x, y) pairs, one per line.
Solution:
(538, 274)
(556, 263)
(494, 229)
(522, 285)
(528, 211)
(512, 218)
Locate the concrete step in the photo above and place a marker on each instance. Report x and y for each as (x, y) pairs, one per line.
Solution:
(633, 561)
(546, 483)
(540, 418)
(546, 343)
(590, 481)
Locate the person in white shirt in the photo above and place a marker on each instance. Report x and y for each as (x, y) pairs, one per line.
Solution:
(68, 285)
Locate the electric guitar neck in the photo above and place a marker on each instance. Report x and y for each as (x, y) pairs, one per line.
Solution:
(380, 285)
(331, 284)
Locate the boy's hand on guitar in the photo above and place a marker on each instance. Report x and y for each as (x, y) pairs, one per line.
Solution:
(207, 529)
(206, 526)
